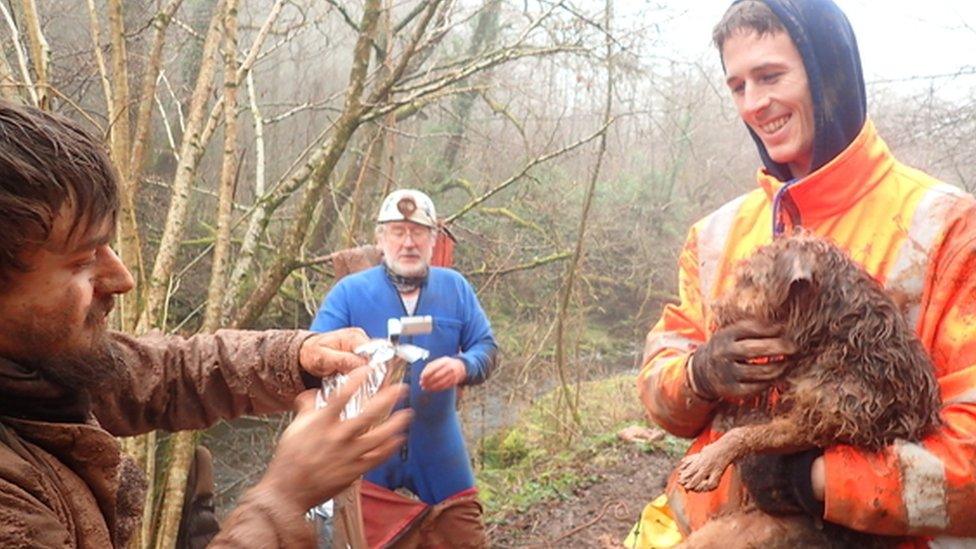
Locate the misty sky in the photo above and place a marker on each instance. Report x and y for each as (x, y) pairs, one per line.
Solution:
(898, 39)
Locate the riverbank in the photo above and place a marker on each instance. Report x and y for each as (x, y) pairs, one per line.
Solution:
(552, 480)
(596, 513)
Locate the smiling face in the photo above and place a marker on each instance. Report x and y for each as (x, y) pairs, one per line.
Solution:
(54, 315)
(407, 247)
(769, 86)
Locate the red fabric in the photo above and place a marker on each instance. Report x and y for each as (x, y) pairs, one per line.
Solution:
(443, 249)
(455, 523)
(386, 514)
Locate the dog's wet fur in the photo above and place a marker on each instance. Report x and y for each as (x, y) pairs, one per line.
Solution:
(860, 377)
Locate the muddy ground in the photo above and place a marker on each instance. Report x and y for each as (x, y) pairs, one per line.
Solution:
(598, 515)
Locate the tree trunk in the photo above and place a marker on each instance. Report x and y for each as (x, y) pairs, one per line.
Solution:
(129, 238)
(40, 53)
(181, 450)
(319, 169)
(191, 149)
(120, 147)
(184, 443)
(317, 172)
(485, 35)
(587, 204)
(368, 167)
(228, 173)
(249, 246)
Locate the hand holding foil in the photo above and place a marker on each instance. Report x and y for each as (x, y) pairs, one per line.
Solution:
(387, 364)
(319, 454)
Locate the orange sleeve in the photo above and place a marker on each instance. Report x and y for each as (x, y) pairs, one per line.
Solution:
(926, 488)
(662, 382)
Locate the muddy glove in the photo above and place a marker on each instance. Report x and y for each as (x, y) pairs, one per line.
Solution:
(721, 368)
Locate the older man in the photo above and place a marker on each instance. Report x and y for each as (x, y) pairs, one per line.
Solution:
(434, 465)
(69, 386)
(794, 73)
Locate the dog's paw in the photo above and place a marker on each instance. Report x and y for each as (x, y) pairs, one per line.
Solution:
(699, 473)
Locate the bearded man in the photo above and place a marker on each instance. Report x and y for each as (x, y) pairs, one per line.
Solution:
(433, 466)
(69, 386)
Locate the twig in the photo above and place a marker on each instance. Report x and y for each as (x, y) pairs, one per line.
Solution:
(531, 164)
(345, 15)
(537, 262)
(619, 504)
(21, 60)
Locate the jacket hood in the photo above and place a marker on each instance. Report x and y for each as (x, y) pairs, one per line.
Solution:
(26, 394)
(824, 37)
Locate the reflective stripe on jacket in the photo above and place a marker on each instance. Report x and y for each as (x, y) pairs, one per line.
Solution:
(917, 236)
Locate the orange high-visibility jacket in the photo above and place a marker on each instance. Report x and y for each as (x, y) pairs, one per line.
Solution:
(917, 236)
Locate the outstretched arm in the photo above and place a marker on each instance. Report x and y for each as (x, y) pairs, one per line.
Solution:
(177, 383)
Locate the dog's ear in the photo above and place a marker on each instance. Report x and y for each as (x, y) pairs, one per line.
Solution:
(800, 269)
(794, 275)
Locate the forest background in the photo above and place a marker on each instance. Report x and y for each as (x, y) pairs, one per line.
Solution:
(568, 145)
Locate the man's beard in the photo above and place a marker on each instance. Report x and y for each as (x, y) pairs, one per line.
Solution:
(82, 369)
(420, 271)
(405, 283)
(79, 367)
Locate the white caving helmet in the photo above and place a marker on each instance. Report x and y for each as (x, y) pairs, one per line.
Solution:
(408, 205)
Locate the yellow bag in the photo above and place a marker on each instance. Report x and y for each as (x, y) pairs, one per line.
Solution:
(656, 528)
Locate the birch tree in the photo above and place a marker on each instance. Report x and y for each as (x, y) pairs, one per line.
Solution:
(401, 68)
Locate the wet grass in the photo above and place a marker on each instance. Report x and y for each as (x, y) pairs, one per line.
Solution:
(546, 456)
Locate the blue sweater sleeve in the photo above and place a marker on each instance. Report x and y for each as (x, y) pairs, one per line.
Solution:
(334, 311)
(479, 350)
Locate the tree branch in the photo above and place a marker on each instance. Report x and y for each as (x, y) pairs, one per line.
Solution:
(528, 166)
(21, 57)
(529, 265)
(317, 172)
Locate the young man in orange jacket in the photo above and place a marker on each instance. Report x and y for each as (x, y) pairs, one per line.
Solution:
(794, 73)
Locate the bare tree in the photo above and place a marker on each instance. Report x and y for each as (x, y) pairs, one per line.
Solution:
(488, 105)
(567, 291)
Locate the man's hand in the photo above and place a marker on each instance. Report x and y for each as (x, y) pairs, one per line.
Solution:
(442, 373)
(720, 368)
(319, 455)
(331, 353)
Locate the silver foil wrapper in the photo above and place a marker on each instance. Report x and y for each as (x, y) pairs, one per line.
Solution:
(387, 365)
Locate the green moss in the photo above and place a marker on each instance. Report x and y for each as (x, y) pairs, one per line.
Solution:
(545, 457)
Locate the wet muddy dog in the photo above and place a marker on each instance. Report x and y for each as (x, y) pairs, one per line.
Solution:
(860, 377)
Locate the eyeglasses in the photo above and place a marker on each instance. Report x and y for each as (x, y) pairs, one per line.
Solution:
(417, 232)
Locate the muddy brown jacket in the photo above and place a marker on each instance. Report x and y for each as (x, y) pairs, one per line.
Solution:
(64, 481)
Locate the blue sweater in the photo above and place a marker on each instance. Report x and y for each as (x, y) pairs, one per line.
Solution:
(434, 463)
